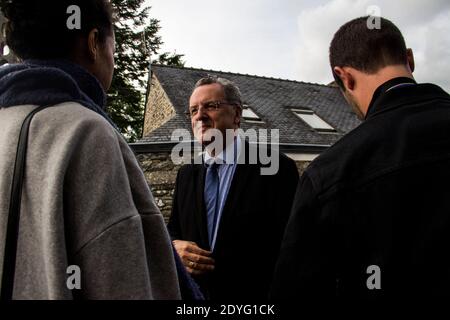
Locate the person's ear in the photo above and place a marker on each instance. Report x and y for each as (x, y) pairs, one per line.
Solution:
(410, 57)
(237, 118)
(93, 44)
(346, 76)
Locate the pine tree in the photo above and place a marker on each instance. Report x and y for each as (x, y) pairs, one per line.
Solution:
(137, 41)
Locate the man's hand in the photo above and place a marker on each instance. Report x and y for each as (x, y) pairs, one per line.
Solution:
(196, 260)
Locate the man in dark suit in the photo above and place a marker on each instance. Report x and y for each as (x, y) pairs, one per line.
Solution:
(228, 217)
(371, 217)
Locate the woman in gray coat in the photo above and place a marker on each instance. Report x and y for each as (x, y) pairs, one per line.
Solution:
(89, 226)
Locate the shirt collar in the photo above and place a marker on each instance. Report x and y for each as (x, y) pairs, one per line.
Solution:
(228, 156)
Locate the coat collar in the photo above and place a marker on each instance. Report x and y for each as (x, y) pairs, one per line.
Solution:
(200, 209)
(385, 99)
(389, 85)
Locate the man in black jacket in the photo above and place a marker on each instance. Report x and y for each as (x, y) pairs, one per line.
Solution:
(371, 217)
(228, 216)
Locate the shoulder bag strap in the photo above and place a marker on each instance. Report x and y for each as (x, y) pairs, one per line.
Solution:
(12, 232)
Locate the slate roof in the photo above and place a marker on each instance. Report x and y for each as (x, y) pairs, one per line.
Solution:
(271, 99)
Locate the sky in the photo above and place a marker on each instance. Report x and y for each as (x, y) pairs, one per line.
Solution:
(289, 39)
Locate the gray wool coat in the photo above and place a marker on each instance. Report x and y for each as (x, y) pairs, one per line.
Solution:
(85, 202)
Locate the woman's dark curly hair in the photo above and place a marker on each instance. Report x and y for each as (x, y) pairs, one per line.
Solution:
(37, 29)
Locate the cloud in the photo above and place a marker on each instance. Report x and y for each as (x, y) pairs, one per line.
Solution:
(290, 38)
(432, 50)
(254, 37)
(425, 26)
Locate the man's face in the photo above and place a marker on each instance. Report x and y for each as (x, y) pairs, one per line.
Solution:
(224, 117)
(106, 61)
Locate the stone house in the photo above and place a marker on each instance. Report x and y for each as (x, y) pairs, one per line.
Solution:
(310, 118)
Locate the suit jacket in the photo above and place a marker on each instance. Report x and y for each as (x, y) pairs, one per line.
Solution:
(378, 197)
(250, 231)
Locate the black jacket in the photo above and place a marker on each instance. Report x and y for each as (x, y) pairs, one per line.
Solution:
(380, 196)
(250, 231)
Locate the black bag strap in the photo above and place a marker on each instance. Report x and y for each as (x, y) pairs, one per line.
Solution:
(12, 231)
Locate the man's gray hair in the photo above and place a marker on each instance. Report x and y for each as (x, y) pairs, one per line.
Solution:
(231, 91)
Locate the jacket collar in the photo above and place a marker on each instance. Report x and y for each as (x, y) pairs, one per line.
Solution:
(388, 86)
(405, 95)
(200, 209)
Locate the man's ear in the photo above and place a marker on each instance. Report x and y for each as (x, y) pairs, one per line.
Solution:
(238, 117)
(346, 76)
(93, 44)
(410, 57)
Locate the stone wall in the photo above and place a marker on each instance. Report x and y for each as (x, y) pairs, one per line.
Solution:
(161, 174)
(159, 108)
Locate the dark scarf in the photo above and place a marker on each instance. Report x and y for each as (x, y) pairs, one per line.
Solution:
(50, 82)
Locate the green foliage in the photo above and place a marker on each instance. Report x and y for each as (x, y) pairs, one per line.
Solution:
(170, 59)
(137, 40)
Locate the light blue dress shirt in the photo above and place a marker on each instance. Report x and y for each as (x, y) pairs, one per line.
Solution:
(227, 161)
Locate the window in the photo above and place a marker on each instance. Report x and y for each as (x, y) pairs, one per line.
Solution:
(249, 115)
(313, 120)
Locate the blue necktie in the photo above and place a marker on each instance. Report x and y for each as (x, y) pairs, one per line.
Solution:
(212, 199)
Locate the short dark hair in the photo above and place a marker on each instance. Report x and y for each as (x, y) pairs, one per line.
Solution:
(37, 29)
(367, 49)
